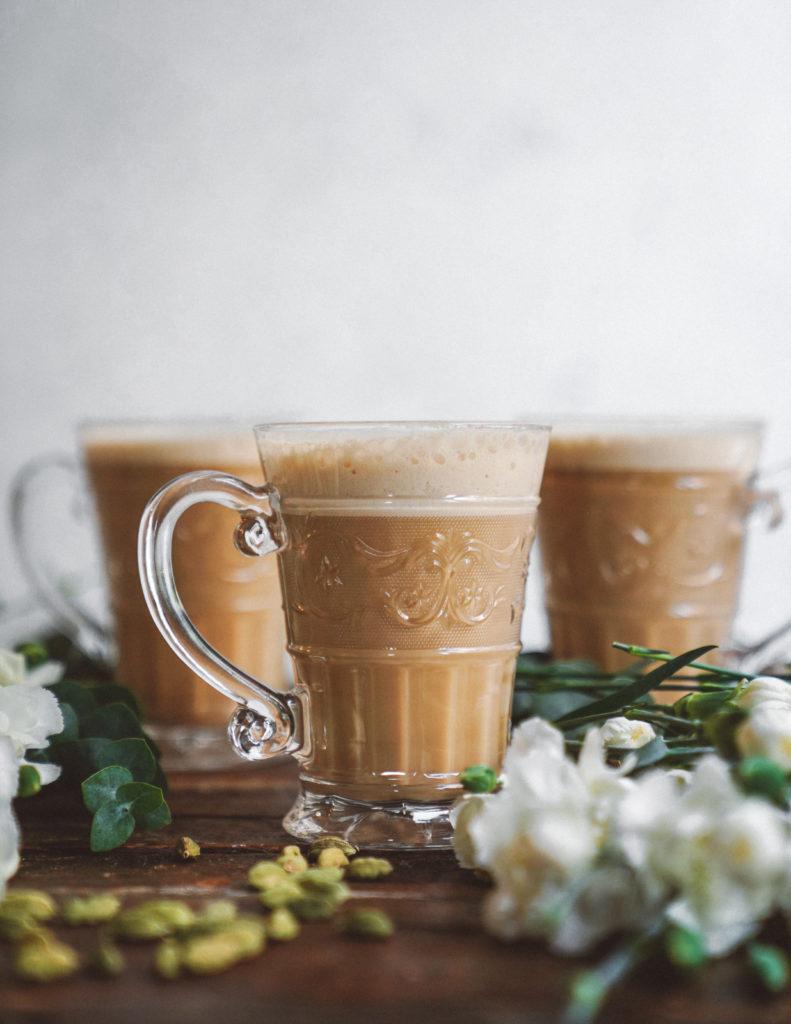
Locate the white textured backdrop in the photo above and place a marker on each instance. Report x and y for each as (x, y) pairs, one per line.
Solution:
(352, 208)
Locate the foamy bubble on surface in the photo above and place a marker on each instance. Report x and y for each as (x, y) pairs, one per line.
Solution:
(654, 446)
(404, 461)
(195, 445)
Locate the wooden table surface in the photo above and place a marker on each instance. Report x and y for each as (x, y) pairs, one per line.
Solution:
(439, 967)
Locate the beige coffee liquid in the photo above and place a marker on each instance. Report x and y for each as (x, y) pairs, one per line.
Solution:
(233, 600)
(404, 605)
(642, 536)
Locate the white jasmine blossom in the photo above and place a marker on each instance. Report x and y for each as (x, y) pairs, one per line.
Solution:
(462, 814)
(767, 733)
(765, 690)
(626, 733)
(29, 715)
(720, 857)
(540, 835)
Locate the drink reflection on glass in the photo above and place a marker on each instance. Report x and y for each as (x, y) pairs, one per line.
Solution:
(234, 601)
(403, 553)
(642, 533)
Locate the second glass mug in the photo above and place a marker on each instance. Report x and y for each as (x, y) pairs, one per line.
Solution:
(403, 551)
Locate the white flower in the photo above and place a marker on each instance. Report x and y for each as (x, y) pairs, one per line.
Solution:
(539, 837)
(765, 690)
(767, 733)
(28, 716)
(9, 830)
(719, 856)
(462, 814)
(626, 733)
(12, 668)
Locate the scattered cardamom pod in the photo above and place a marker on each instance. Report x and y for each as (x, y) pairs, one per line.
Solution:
(90, 909)
(281, 895)
(369, 868)
(167, 959)
(215, 914)
(187, 849)
(319, 879)
(332, 857)
(211, 954)
(266, 874)
(332, 843)
(44, 958)
(31, 902)
(16, 925)
(282, 925)
(366, 923)
(313, 908)
(154, 919)
(292, 861)
(108, 960)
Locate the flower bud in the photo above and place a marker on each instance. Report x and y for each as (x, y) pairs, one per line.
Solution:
(626, 733)
(764, 778)
(701, 706)
(479, 778)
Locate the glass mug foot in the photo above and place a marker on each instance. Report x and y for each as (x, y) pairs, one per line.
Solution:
(397, 825)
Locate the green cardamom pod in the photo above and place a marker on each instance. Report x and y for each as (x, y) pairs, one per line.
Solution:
(167, 959)
(266, 874)
(366, 923)
(332, 843)
(369, 868)
(281, 895)
(108, 960)
(313, 908)
(331, 857)
(282, 925)
(90, 909)
(32, 902)
(187, 849)
(43, 959)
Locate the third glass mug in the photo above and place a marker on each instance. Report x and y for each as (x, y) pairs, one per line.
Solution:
(403, 551)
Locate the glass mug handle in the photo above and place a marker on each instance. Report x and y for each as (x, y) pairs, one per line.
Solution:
(88, 634)
(267, 722)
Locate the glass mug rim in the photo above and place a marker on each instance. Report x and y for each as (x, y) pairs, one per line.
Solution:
(398, 426)
(662, 426)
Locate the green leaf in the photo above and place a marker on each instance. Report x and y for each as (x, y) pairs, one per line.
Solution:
(630, 693)
(103, 786)
(111, 721)
(134, 754)
(29, 781)
(652, 753)
(142, 798)
(112, 825)
(769, 964)
(158, 818)
(111, 693)
(684, 948)
(79, 696)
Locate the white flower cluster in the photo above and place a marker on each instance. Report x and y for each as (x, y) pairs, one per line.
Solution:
(766, 732)
(577, 850)
(29, 715)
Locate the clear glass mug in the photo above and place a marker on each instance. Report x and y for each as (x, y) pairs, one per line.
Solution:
(642, 533)
(237, 603)
(403, 552)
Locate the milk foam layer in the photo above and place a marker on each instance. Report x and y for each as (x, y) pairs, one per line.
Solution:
(654, 446)
(404, 460)
(200, 445)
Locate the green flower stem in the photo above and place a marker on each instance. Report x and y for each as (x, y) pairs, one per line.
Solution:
(646, 652)
(590, 989)
(660, 717)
